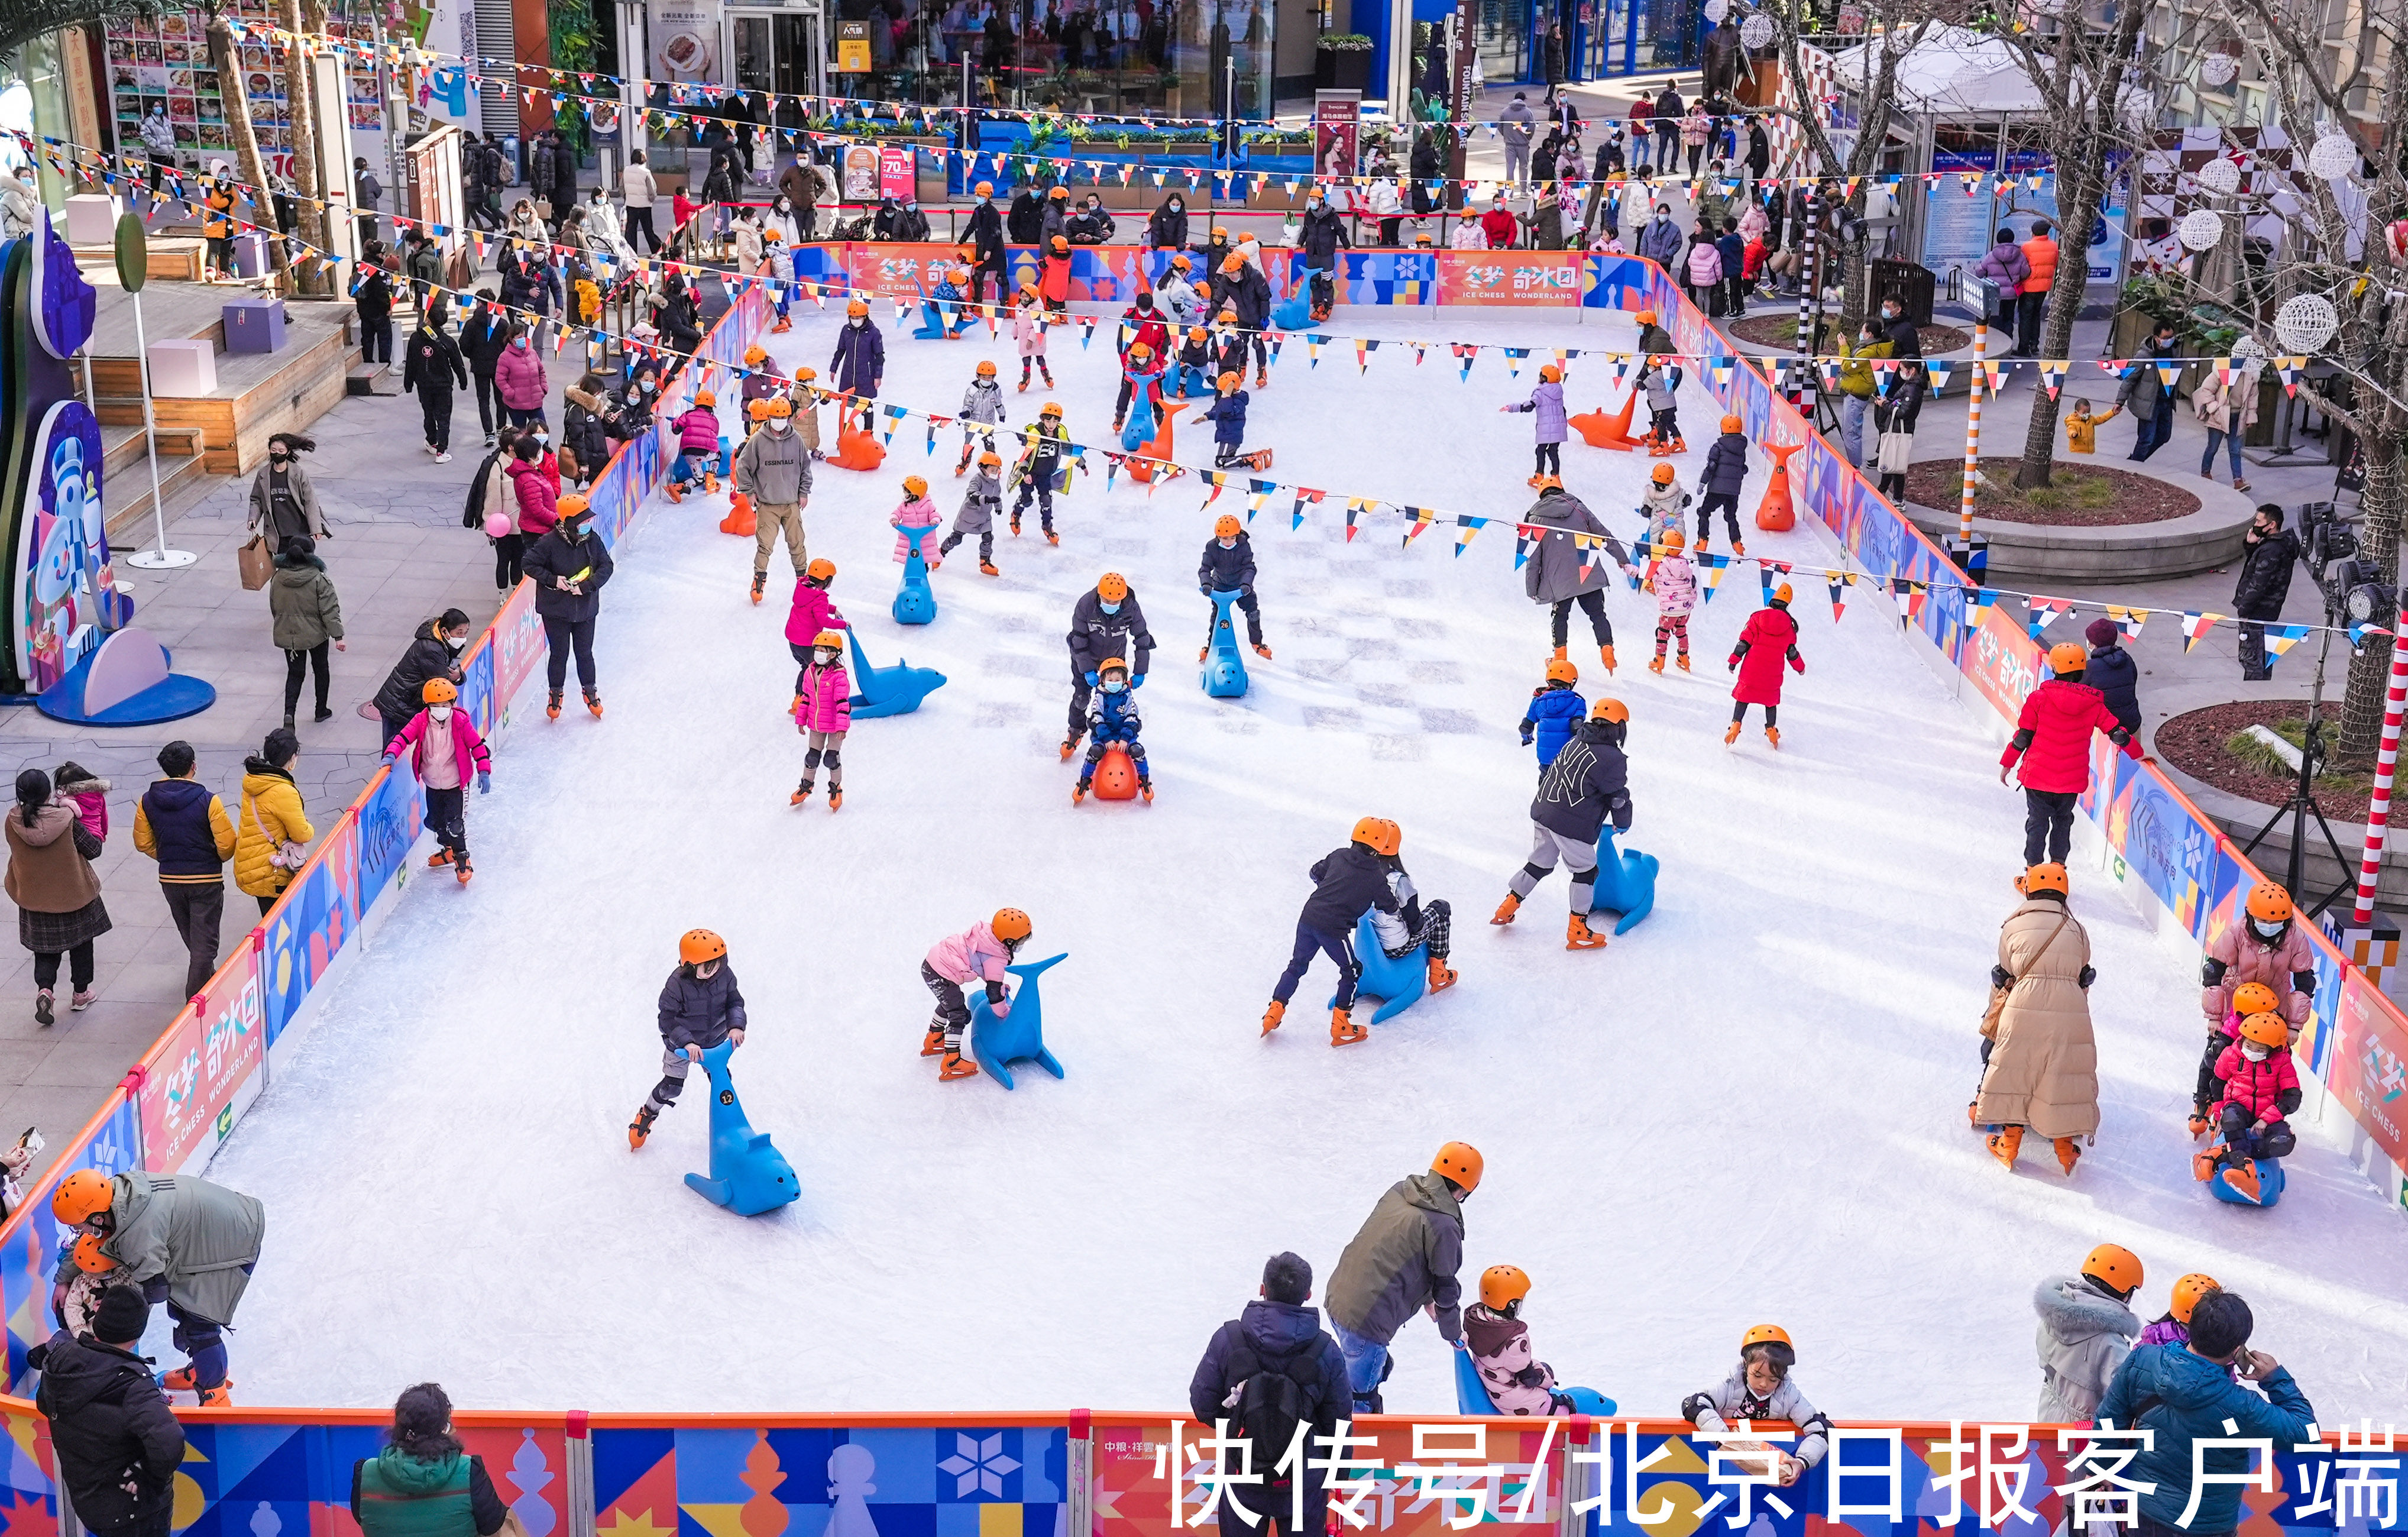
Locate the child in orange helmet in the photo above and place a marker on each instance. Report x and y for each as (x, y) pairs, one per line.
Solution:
(700, 1008)
(914, 511)
(1347, 883)
(978, 954)
(1759, 1388)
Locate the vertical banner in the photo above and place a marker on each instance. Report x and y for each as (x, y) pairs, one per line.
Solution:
(389, 813)
(898, 171)
(2367, 1065)
(1337, 128)
(517, 646)
(310, 925)
(205, 1070)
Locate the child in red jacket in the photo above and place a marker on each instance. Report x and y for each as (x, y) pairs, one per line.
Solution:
(697, 446)
(2053, 741)
(2261, 1088)
(822, 713)
(1768, 638)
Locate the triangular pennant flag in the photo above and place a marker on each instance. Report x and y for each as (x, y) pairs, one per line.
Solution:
(1363, 354)
(1214, 479)
(1303, 495)
(1420, 519)
(1838, 598)
(2041, 612)
(2282, 637)
(2195, 628)
(1312, 350)
(1464, 527)
(1087, 331)
(1354, 506)
(2052, 374)
(1977, 604)
(1716, 566)
(1524, 537)
(2127, 620)
(1514, 356)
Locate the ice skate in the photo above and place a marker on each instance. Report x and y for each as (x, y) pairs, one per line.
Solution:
(1441, 976)
(1262, 376)
(1015, 525)
(1071, 744)
(440, 858)
(642, 1126)
(1579, 935)
(2069, 1153)
(1563, 653)
(2203, 1165)
(987, 568)
(709, 482)
(1024, 384)
(1684, 661)
(835, 798)
(1506, 909)
(760, 584)
(1079, 791)
(2198, 1127)
(1655, 665)
(1606, 653)
(220, 1397)
(801, 795)
(463, 870)
(1343, 1032)
(594, 702)
(1533, 482)
(2003, 1145)
(1731, 735)
(964, 467)
(784, 326)
(1772, 737)
(2243, 1177)
(1272, 1015)
(677, 492)
(1046, 374)
(1053, 538)
(1262, 651)
(954, 1067)
(551, 706)
(1145, 788)
(1203, 653)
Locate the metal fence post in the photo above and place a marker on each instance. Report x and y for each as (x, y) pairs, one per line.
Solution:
(1078, 1476)
(579, 1474)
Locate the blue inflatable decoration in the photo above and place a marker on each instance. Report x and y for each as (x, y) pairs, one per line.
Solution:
(1398, 984)
(1225, 665)
(1018, 1036)
(1472, 1394)
(1626, 883)
(748, 1176)
(2269, 1183)
(1295, 312)
(888, 691)
(915, 601)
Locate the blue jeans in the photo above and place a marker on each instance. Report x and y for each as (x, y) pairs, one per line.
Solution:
(2231, 441)
(1367, 1365)
(1852, 426)
(2150, 436)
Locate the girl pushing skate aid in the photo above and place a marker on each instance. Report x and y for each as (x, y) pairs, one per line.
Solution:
(978, 954)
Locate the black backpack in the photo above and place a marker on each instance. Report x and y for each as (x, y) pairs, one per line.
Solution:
(1270, 1405)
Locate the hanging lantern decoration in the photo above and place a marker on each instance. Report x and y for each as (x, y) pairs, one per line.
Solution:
(2333, 156)
(2305, 322)
(1755, 33)
(2221, 177)
(2201, 229)
(2247, 351)
(2218, 70)
(1716, 11)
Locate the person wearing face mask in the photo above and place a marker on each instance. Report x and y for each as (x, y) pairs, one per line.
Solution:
(444, 749)
(485, 337)
(283, 505)
(569, 566)
(859, 363)
(2261, 1087)
(1320, 238)
(1090, 225)
(823, 715)
(701, 1009)
(631, 412)
(1113, 721)
(1106, 624)
(1165, 228)
(307, 618)
(2262, 944)
(520, 380)
(987, 252)
(433, 366)
(434, 653)
(1228, 566)
(1759, 1390)
(773, 470)
(2040, 1059)
(2051, 741)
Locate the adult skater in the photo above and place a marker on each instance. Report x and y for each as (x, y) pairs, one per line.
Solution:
(569, 566)
(1560, 572)
(2052, 741)
(2262, 944)
(985, 241)
(2041, 1069)
(1228, 566)
(700, 1008)
(117, 1442)
(1268, 1371)
(1588, 781)
(184, 1241)
(2086, 1326)
(773, 469)
(858, 363)
(1104, 623)
(1346, 883)
(1403, 1260)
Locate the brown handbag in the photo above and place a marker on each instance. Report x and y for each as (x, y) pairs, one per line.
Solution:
(255, 563)
(1998, 1008)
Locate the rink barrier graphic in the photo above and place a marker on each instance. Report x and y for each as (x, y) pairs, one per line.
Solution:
(1035, 1474)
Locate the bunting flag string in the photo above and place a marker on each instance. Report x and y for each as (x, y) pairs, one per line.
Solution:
(2043, 611)
(2195, 628)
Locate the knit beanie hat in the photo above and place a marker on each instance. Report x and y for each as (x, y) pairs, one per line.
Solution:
(122, 1317)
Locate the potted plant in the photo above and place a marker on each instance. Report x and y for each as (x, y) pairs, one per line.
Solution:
(1341, 61)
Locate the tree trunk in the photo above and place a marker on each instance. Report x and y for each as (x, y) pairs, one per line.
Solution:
(2063, 304)
(233, 91)
(308, 222)
(2369, 668)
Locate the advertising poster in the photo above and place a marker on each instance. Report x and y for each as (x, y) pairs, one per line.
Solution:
(311, 925)
(684, 36)
(1538, 279)
(390, 812)
(857, 174)
(205, 1070)
(1336, 127)
(898, 171)
(2367, 1066)
(852, 48)
(65, 604)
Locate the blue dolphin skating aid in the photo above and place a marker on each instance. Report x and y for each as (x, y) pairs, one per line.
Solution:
(1018, 1036)
(748, 1176)
(1626, 883)
(1398, 984)
(888, 691)
(1296, 311)
(1224, 664)
(915, 601)
(1472, 1394)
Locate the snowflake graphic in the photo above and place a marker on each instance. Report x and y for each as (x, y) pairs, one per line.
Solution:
(978, 1466)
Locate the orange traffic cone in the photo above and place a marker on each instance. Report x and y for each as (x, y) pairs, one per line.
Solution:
(1777, 513)
(739, 520)
(1599, 430)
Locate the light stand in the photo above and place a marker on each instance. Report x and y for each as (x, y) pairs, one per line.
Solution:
(2302, 802)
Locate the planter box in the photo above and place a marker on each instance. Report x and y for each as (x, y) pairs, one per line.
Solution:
(1341, 69)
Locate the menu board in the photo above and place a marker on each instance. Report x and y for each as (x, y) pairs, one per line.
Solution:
(167, 95)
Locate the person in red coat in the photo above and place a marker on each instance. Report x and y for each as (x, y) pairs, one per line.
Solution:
(1768, 638)
(2053, 741)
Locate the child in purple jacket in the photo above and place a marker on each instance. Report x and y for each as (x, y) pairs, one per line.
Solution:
(1547, 400)
(697, 446)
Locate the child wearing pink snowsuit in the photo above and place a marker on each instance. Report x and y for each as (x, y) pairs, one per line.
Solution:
(1500, 1348)
(972, 956)
(822, 713)
(1676, 598)
(914, 512)
(1029, 329)
(698, 448)
(89, 793)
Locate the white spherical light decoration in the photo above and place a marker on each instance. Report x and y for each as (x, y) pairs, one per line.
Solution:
(1757, 32)
(2221, 177)
(2247, 349)
(2218, 70)
(1716, 11)
(2333, 156)
(2201, 229)
(2305, 322)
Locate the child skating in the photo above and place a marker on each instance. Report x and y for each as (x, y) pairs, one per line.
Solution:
(1662, 386)
(2173, 1326)
(2261, 1088)
(700, 1008)
(1193, 373)
(1725, 471)
(1346, 883)
(1664, 504)
(1768, 638)
(979, 953)
(811, 613)
(1676, 598)
(1416, 924)
(1518, 1382)
(1587, 785)
(1228, 414)
(697, 446)
(822, 713)
(915, 511)
(1228, 566)
(980, 504)
(1556, 712)
(981, 406)
(1547, 402)
(1113, 721)
(1043, 467)
(1028, 326)
(445, 750)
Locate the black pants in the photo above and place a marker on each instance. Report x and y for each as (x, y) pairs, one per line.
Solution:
(507, 553)
(1593, 604)
(434, 406)
(1311, 941)
(564, 635)
(1080, 691)
(376, 338)
(267, 904)
(1253, 614)
(1436, 931)
(298, 662)
(641, 219)
(1325, 290)
(952, 1015)
(2210, 1088)
(1040, 486)
(46, 967)
(1665, 423)
(489, 400)
(1772, 714)
(2027, 308)
(987, 545)
(393, 724)
(2254, 665)
(1729, 505)
(2240, 1143)
(447, 818)
(802, 654)
(2048, 821)
(196, 907)
(1273, 1503)
(1735, 296)
(1548, 459)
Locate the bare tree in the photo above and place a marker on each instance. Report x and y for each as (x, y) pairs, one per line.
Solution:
(308, 217)
(233, 88)
(2085, 74)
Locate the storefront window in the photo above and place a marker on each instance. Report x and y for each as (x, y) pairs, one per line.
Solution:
(1180, 58)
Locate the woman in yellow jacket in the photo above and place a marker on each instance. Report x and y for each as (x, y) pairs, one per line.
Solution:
(217, 223)
(272, 817)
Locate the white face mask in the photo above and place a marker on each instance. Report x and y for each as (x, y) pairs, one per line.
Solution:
(780, 424)
(440, 713)
(825, 658)
(2255, 1051)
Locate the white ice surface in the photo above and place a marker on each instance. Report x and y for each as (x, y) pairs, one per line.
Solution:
(1750, 1107)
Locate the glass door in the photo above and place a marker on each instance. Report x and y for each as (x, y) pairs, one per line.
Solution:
(1504, 40)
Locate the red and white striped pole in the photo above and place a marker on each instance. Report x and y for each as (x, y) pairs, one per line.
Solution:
(1972, 437)
(2378, 811)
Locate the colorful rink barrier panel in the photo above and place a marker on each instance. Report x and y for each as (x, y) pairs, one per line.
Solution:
(270, 1472)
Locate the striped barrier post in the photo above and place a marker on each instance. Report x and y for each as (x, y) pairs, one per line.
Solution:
(2378, 811)
(1972, 440)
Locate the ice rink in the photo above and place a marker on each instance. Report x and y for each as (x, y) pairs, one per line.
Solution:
(1751, 1107)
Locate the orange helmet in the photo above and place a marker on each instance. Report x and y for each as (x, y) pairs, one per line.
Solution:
(88, 1258)
(2266, 1030)
(1180, 264)
(1195, 333)
(1219, 232)
(758, 411)
(1062, 192)
(1766, 1334)
(2067, 656)
(915, 486)
(1674, 540)
(1563, 670)
(1730, 424)
(1646, 317)
(705, 400)
(984, 189)
(1551, 482)
(755, 355)
(700, 944)
(1112, 587)
(1051, 408)
(1611, 710)
(1502, 1286)
(991, 458)
(2116, 1265)
(574, 505)
(1139, 350)
(1061, 245)
(438, 691)
(1233, 263)
(1226, 526)
(1379, 835)
(1460, 1162)
(779, 406)
(828, 641)
(823, 571)
(2045, 877)
(1010, 925)
(804, 373)
(82, 1196)
(2255, 997)
(2188, 1291)
(1552, 375)
(1226, 381)
(856, 308)
(986, 370)
(1663, 475)
(2268, 903)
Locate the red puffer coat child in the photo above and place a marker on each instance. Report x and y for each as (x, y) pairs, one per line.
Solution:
(1768, 638)
(2261, 1088)
(2052, 746)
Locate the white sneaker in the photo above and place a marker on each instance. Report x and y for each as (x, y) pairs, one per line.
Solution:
(443, 459)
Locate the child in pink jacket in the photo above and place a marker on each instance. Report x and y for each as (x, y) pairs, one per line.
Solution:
(1676, 596)
(915, 511)
(445, 750)
(697, 433)
(822, 713)
(978, 954)
(1029, 329)
(90, 794)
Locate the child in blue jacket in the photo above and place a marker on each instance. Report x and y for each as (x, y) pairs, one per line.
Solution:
(1556, 712)
(1228, 418)
(1113, 721)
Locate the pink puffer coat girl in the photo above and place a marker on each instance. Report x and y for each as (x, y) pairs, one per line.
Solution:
(1705, 264)
(812, 612)
(915, 513)
(974, 954)
(539, 509)
(519, 378)
(2254, 1085)
(699, 431)
(2248, 958)
(1676, 585)
(1027, 331)
(825, 698)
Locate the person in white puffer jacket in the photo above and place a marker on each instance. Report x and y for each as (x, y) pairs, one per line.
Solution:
(1759, 1390)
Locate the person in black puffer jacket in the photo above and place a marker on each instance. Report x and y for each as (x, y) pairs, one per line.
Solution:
(585, 440)
(1238, 1380)
(701, 1007)
(2113, 672)
(434, 653)
(118, 1446)
(2268, 550)
(483, 337)
(1346, 883)
(1588, 782)
(569, 566)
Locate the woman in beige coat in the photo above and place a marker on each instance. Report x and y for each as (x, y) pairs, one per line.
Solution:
(2041, 1069)
(2226, 411)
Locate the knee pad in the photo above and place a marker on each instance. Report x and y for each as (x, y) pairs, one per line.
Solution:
(668, 1089)
(830, 759)
(811, 758)
(1538, 872)
(2277, 1142)
(1584, 877)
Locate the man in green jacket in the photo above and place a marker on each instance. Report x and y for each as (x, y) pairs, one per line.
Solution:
(184, 1241)
(1404, 1259)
